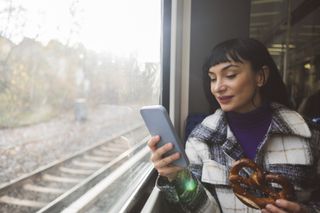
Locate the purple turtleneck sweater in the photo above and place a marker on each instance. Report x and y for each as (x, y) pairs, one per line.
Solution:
(250, 128)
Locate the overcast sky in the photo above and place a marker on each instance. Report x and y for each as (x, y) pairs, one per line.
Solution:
(118, 26)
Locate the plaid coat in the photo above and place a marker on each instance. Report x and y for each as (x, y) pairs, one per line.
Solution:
(291, 148)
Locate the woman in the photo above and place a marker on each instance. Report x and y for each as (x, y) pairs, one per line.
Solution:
(254, 121)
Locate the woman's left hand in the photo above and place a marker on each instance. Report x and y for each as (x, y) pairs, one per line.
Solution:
(283, 206)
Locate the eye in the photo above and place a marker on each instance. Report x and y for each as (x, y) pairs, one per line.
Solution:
(212, 79)
(232, 76)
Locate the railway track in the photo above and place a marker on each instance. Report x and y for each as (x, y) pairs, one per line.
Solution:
(64, 181)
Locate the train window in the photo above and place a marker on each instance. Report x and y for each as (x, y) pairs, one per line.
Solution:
(73, 75)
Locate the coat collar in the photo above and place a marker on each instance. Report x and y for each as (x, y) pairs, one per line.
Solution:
(288, 122)
(214, 129)
(284, 121)
(221, 134)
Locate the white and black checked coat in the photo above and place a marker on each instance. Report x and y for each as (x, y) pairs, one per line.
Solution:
(291, 147)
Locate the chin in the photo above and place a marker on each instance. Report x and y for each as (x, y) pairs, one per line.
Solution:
(226, 108)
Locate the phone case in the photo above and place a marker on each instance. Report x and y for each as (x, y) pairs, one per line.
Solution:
(158, 122)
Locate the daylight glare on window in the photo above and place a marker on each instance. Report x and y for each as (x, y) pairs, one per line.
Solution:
(73, 75)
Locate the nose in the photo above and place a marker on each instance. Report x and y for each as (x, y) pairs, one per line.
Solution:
(218, 86)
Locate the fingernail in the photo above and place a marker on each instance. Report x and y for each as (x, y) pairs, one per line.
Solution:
(278, 201)
(268, 206)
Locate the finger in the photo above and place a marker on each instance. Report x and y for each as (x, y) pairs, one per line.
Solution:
(265, 211)
(169, 171)
(288, 205)
(157, 154)
(167, 160)
(274, 209)
(152, 143)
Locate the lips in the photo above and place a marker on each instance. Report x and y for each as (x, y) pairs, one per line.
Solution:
(224, 99)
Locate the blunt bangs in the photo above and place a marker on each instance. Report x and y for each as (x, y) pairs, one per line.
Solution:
(237, 50)
(221, 56)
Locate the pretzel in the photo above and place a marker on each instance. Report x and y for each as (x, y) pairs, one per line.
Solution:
(260, 181)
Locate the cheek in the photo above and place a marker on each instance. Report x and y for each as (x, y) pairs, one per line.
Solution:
(211, 88)
(245, 87)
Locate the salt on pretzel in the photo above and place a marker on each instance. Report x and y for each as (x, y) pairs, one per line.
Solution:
(260, 181)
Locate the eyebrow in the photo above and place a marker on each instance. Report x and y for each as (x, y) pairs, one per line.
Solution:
(226, 67)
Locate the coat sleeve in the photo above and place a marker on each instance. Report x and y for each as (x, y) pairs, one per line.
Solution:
(187, 190)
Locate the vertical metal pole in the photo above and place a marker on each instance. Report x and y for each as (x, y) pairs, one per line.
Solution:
(286, 53)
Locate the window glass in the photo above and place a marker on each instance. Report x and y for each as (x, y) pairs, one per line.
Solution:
(73, 75)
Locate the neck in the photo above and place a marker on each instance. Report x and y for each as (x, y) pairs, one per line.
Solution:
(256, 102)
(250, 119)
(250, 128)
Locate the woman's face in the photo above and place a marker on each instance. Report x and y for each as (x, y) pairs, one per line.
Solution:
(235, 86)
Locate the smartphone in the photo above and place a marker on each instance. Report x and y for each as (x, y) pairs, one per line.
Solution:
(158, 122)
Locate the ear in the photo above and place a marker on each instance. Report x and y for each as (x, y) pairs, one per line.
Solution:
(262, 76)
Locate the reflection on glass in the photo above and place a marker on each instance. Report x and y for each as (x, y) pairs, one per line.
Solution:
(119, 192)
(72, 74)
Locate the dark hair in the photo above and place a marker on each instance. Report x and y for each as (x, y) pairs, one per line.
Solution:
(256, 53)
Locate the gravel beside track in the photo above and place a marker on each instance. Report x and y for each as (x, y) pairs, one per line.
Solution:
(25, 149)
